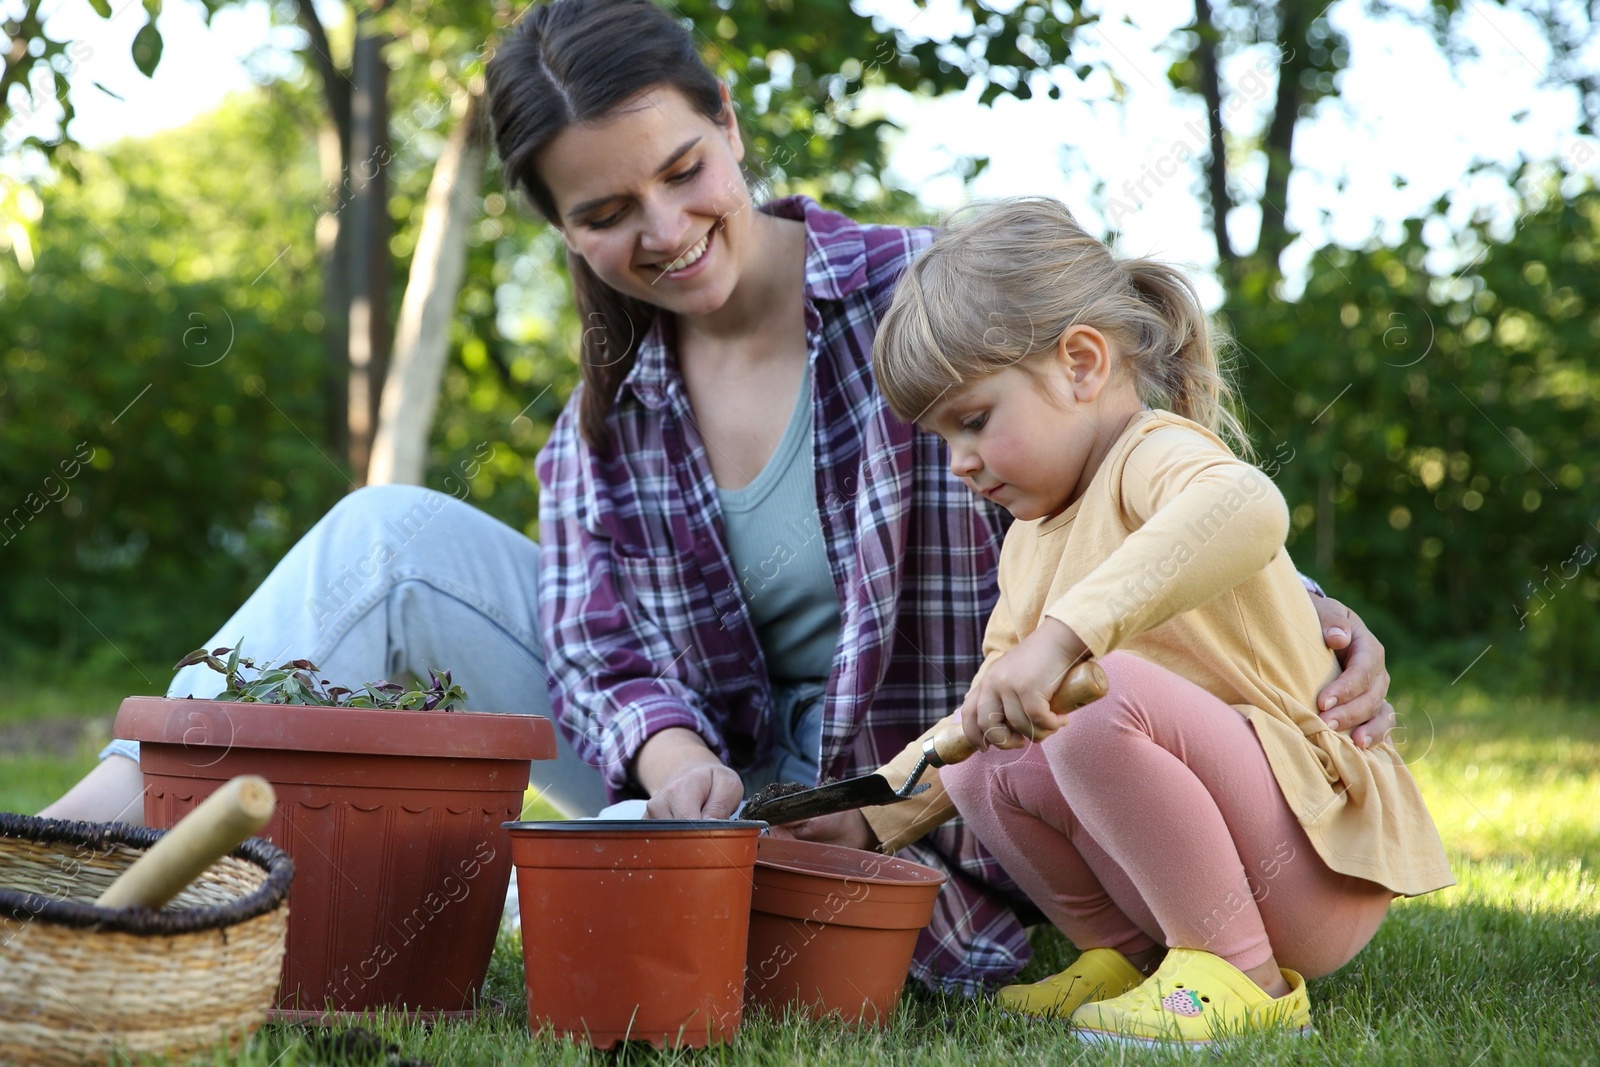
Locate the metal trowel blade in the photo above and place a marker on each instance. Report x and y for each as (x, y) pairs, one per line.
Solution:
(869, 790)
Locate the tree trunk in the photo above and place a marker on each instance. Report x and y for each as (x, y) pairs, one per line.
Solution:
(1294, 22)
(333, 236)
(422, 335)
(1217, 165)
(333, 250)
(1325, 518)
(369, 241)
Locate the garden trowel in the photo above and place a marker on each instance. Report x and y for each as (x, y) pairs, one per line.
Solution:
(1086, 682)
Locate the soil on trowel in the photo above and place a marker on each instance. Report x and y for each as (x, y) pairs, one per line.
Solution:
(767, 794)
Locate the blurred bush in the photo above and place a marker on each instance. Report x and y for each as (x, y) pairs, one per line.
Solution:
(1438, 437)
(162, 393)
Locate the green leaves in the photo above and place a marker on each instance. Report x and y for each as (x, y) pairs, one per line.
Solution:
(299, 681)
(147, 48)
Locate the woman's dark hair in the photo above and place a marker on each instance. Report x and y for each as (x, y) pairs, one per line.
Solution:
(569, 62)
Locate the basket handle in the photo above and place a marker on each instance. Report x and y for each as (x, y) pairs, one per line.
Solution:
(205, 835)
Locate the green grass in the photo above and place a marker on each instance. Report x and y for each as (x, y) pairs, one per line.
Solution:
(1501, 968)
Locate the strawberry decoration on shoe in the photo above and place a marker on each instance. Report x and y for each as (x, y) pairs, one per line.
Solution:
(1182, 1002)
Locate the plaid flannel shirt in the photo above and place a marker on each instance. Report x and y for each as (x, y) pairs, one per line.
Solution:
(645, 627)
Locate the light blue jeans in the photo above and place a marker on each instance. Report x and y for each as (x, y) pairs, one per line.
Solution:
(397, 579)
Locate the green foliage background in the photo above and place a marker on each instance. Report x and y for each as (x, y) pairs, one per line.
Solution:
(1435, 433)
(1438, 437)
(143, 334)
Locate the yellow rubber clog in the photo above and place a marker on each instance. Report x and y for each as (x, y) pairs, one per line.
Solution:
(1098, 974)
(1194, 998)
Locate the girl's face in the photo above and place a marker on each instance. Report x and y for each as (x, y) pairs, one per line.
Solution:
(652, 198)
(1030, 453)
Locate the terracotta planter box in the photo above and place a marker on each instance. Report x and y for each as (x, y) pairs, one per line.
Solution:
(393, 820)
(832, 929)
(635, 930)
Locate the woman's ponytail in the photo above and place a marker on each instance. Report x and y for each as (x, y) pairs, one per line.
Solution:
(613, 324)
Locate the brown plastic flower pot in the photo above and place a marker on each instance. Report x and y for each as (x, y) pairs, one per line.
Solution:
(635, 930)
(832, 929)
(393, 821)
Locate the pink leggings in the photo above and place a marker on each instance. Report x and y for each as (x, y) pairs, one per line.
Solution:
(1152, 817)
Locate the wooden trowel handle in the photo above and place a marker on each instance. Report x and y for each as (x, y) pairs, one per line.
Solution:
(1085, 683)
(209, 832)
(947, 747)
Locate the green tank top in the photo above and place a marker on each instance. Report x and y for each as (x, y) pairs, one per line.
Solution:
(774, 535)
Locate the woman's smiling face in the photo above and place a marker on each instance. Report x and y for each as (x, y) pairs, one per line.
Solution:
(652, 198)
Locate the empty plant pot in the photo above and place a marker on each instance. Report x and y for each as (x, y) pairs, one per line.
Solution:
(393, 820)
(832, 929)
(635, 930)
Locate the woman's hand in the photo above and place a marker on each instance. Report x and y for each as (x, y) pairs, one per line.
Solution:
(702, 791)
(684, 778)
(1355, 700)
(847, 828)
(1010, 704)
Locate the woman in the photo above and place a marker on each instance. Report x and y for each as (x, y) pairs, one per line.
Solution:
(752, 570)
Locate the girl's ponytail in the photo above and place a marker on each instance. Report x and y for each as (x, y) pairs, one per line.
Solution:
(1005, 280)
(1174, 361)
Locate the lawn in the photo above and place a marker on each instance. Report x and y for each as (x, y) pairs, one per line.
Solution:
(1500, 969)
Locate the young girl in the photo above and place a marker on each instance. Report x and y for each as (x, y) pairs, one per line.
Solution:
(1199, 832)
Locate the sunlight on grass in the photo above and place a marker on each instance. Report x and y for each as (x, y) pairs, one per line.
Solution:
(1516, 779)
(1541, 885)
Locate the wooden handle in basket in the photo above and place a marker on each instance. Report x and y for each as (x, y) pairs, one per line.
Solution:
(1085, 683)
(209, 832)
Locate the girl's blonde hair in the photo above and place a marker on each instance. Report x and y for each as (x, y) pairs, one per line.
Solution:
(1000, 285)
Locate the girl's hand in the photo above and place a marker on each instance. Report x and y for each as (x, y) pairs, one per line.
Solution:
(1010, 705)
(1356, 700)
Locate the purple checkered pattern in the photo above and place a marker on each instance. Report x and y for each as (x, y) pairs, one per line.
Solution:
(646, 628)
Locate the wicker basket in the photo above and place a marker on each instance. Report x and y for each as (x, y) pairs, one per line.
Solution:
(82, 984)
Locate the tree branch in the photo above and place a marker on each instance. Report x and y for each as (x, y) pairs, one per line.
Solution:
(335, 83)
(18, 61)
(1294, 22)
